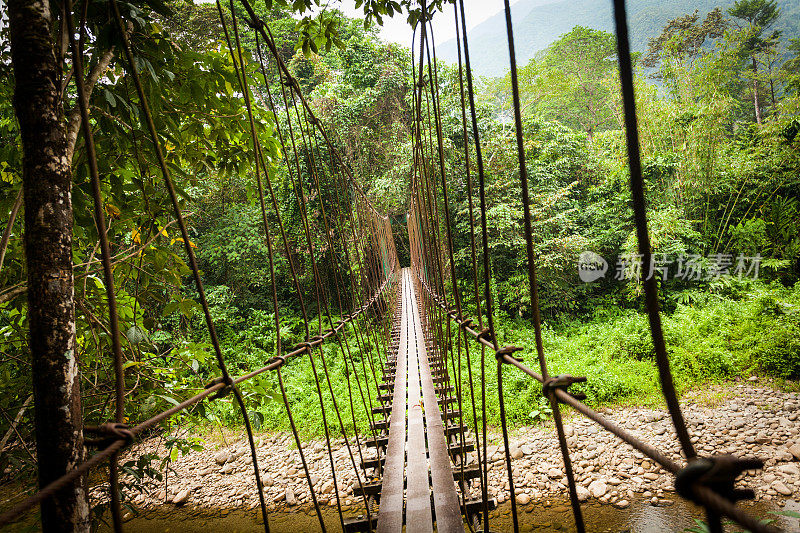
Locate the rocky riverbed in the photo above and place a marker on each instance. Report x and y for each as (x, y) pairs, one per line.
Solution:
(742, 419)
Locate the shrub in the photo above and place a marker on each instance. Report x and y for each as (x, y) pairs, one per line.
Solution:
(778, 353)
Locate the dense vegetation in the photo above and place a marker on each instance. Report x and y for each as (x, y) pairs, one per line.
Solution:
(719, 104)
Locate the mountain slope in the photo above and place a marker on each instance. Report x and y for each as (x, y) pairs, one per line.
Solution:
(537, 23)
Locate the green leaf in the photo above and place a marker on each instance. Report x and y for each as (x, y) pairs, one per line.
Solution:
(170, 308)
(171, 400)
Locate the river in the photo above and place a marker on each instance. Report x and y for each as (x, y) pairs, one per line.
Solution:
(641, 516)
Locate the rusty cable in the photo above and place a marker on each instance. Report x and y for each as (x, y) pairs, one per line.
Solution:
(105, 253)
(705, 495)
(142, 427)
(532, 283)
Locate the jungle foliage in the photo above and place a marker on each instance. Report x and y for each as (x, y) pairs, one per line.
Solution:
(719, 117)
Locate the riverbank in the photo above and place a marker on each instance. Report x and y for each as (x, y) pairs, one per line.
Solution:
(744, 418)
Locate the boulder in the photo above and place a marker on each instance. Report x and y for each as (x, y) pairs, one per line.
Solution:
(598, 488)
(222, 457)
(794, 449)
(181, 497)
(781, 488)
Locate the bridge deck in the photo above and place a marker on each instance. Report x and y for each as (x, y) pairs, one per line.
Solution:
(391, 509)
(416, 431)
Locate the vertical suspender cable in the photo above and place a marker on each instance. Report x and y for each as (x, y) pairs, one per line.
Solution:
(532, 284)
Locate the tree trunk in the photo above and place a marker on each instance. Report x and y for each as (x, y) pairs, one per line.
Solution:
(772, 92)
(755, 91)
(47, 183)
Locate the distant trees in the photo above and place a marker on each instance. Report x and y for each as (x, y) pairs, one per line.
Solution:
(749, 56)
(754, 18)
(574, 80)
(790, 70)
(681, 43)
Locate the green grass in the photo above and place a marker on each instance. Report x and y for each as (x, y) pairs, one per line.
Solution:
(722, 334)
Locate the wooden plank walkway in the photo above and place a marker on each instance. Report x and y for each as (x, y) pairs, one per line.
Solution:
(416, 439)
(390, 513)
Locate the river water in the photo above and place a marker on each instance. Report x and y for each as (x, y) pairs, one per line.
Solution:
(641, 516)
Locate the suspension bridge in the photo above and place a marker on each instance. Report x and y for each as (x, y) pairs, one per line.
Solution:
(427, 417)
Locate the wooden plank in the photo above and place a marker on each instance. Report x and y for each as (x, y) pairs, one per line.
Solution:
(390, 513)
(445, 497)
(419, 515)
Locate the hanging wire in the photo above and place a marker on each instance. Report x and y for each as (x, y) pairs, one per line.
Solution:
(532, 284)
(719, 499)
(105, 253)
(120, 435)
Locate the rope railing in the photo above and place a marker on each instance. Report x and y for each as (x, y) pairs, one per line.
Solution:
(215, 387)
(504, 353)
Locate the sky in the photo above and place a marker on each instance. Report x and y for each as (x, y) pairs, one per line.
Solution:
(397, 30)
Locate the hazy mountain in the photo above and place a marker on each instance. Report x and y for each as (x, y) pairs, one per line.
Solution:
(537, 23)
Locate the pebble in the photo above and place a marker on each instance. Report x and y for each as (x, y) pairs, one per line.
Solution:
(222, 457)
(794, 449)
(554, 473)
(781, 488)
